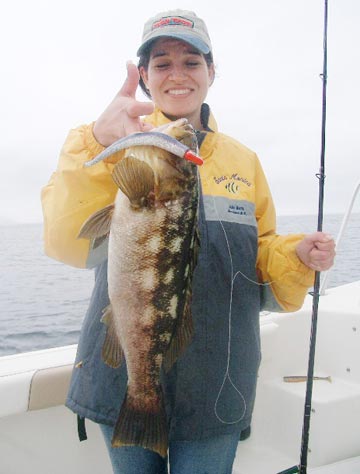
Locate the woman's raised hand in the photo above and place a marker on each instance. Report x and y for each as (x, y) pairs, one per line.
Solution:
(122, 116)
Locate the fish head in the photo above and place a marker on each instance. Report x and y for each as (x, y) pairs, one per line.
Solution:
(172, 174)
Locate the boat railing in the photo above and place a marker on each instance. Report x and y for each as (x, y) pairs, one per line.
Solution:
(325, 278)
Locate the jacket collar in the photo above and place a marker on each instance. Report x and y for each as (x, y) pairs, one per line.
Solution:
(157, 118)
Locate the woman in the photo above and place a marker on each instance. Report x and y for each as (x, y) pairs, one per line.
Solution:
(210, 390)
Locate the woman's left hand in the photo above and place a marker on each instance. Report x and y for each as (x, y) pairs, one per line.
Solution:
(317, 251)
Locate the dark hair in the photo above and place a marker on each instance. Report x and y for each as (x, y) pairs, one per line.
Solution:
(144, 62)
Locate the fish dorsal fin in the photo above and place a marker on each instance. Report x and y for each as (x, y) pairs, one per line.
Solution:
(182, 335)
(136, 180)
(112, 353)
(183, 331)
(98, 224)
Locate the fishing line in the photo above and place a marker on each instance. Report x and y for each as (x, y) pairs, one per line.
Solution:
(227, 371)
(227, 376)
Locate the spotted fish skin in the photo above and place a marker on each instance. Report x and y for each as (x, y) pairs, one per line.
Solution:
(150, 266)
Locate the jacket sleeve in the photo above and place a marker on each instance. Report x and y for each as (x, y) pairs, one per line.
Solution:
(72, 195)
(284, 278)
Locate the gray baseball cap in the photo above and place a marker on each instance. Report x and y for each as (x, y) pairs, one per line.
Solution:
(181, 24)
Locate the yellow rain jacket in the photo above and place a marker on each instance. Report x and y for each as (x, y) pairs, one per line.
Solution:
(232, 180)
(242, 266)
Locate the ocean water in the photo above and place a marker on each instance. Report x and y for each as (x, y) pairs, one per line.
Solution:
(43, 302)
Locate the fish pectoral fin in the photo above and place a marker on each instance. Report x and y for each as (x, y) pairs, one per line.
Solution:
(98, 224)
(112, 352)
(147, 429)
(136, 180)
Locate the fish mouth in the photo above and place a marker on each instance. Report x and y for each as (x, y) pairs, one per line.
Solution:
(182, 131)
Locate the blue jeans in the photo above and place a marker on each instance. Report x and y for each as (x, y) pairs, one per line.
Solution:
(210, 456)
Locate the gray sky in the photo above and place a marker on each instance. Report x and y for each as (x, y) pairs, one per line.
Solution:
(62, 63)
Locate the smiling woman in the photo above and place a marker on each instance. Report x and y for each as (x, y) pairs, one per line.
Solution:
(178, 77)
(210, 338)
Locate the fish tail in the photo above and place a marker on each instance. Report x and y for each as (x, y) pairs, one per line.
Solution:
(147, 429)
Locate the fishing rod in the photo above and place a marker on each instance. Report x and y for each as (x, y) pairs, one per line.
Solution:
(302, 467)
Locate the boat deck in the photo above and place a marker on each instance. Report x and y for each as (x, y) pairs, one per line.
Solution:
(35, 427)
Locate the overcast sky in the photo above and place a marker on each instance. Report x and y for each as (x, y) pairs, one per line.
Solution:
(62, 63)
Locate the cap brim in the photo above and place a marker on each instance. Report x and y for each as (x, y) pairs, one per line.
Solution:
(198, 43)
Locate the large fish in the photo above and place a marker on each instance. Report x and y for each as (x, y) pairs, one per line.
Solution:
(151, 256)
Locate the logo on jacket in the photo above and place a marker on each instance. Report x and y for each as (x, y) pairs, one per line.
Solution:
(232, 183)
(232, 187)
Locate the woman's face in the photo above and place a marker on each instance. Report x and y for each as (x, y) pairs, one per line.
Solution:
(178, 79)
